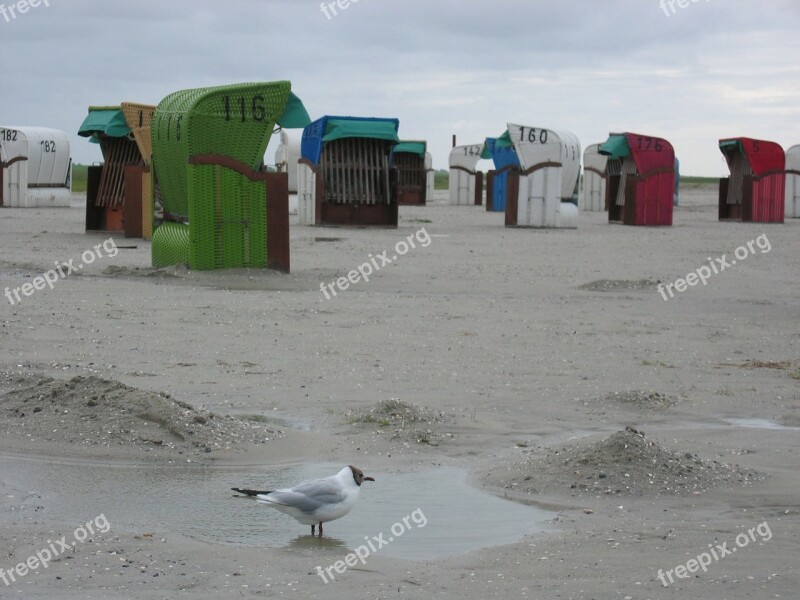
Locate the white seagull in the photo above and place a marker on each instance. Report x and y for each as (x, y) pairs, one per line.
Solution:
(318, 500)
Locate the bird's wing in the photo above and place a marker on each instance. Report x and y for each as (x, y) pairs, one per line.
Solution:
(309, 496)
(293, 500)
(328, 490)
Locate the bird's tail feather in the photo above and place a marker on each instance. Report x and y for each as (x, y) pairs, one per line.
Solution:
(250, 492)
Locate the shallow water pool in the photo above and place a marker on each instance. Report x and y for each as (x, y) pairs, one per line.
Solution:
(752, 423)
(453, 518)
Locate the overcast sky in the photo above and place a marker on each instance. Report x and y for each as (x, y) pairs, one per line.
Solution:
(716, 68)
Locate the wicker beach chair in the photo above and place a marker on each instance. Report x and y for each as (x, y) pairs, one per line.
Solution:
(208, 151)
(139, 118)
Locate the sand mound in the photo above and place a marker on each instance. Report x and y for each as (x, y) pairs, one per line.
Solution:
(395, 413)
(164, 272)
(619, 285)
(95, 412)
(403, 420)
(654, 401)
(626, 463)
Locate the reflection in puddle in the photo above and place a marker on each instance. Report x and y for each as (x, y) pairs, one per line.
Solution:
(197, 502)
(751, 423)
(561, 438)
(269, 419)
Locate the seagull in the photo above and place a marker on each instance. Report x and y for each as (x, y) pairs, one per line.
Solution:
(318, 500)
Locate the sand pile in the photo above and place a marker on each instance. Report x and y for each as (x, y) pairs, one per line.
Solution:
(626, 463)
(654, 401)
(619, 285)
(401, 420)
(90, 412)
(396, 413)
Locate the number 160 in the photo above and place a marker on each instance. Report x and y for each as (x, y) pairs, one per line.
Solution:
(532, 136)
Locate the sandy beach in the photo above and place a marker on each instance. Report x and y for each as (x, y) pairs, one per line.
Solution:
(546, 366)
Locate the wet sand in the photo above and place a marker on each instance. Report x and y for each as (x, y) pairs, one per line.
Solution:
(524, 340)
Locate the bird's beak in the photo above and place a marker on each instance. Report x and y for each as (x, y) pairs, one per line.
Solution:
(368, 479)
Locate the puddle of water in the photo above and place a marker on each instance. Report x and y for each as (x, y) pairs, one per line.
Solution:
(269, 419)
(560, 438)
(197, 502)
(752, 423)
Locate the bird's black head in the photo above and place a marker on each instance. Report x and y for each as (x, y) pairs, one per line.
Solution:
(358, 475)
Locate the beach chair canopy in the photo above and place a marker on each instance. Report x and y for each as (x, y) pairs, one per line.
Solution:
(104, 120)
(417, 148)
(501, 151)
(331, 128)
(648, 152)
(764, 157)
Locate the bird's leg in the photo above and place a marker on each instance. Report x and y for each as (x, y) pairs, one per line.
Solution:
(313, 527)
(320, 529)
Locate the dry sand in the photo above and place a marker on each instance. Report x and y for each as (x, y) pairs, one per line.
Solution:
(519, 355)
